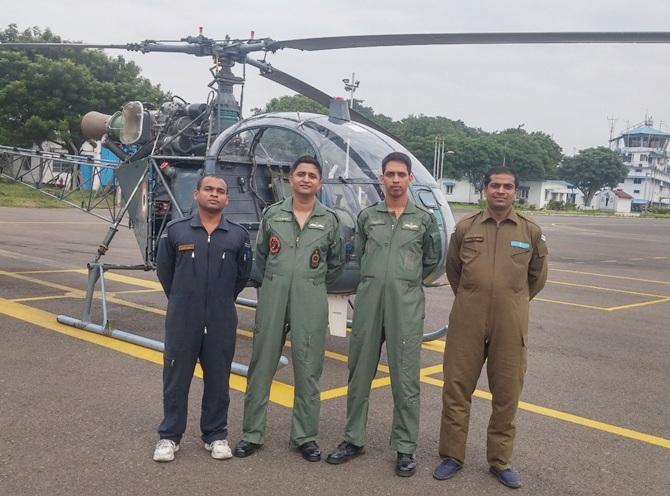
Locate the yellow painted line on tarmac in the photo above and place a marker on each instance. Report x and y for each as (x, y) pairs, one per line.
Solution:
(613, 290)
(578, 305)
(280, 393)
(574, 419)
(626, 278)
(40, 298)
(52, 271)
(133, 281)
(433, 369)
(635, 305)
(660, 258)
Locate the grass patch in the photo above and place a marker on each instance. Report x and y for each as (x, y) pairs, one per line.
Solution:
(13, 194)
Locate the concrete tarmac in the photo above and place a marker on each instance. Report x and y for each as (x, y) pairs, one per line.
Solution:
(79, 412)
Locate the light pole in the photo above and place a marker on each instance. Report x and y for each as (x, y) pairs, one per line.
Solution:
(438, 157)
(351, 85)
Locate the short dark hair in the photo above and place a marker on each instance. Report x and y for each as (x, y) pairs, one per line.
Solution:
(306, 159)
(215, 176)
(398, 157)
(501, 169)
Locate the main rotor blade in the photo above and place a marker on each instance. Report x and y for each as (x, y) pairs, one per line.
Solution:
(29, 44)
(335, 42)
(200, 50)
(306, 89)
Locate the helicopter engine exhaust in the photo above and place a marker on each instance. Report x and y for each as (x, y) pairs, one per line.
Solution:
(94, 125)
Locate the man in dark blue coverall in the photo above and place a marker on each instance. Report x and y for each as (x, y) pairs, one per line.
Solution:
(203, 263)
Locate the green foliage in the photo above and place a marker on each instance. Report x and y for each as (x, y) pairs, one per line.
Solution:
(592, 169)
(472, 151)
(44, 93)
(293, 103)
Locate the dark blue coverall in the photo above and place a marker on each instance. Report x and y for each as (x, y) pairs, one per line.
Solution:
(201, 275)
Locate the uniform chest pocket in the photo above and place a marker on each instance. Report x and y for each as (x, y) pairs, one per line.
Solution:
(471, 248)
(520, 253)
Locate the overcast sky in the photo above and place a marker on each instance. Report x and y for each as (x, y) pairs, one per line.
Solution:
(567, 91)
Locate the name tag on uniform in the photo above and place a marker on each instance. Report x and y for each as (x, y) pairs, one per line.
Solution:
(520, 244)
(283, 219)
(189, 247)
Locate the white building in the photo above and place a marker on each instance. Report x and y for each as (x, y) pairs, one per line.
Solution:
(540, 193)
(459, 190)
(536, 193)
(612, 200)
(644, 151)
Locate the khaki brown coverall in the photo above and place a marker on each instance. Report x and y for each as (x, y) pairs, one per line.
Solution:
(494, 271)
(395, 254)
(294, 266)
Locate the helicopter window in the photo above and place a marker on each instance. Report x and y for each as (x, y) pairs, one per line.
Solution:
(428, 199)
(281, 146)
(238, 148)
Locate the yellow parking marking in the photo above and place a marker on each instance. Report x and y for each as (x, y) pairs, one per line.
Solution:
(626, 278)
(614, 290)
(280, 393)
(40, 298)
(54, 271)
(634, 305)
(579, 305)
(660, 258)
(574, 419)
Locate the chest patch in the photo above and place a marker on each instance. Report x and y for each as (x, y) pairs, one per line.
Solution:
(186, 247)
(410, 226)
(274, 244)
(315, 259)
(316, 225)
(519, 244)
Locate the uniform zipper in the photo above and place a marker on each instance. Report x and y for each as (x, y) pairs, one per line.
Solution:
(209, 238)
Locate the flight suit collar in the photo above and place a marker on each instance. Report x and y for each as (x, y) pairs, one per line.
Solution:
(486, 215)
(196, 222)
(287, 206)
(410, 208)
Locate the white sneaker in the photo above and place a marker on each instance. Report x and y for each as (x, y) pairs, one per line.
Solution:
(165, 450)
(219, 449)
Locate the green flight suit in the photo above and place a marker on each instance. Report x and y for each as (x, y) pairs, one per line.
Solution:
(395, 256)
(294, 266)
(494, 271)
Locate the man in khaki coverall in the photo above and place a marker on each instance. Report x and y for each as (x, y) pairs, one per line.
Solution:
(398, 244)
(496, 263)
(298, 252)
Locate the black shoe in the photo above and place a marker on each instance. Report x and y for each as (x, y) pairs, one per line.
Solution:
(310, 451)
(344, 452)
(245, 448)
(406, 465)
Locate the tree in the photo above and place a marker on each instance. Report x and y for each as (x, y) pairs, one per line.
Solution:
(474, 156)
(294, 103)
(592, 169)
(45, 92)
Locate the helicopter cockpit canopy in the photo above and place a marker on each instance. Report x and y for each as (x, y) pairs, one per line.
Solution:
(255, 156)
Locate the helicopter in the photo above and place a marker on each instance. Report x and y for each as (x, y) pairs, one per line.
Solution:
(164, 151)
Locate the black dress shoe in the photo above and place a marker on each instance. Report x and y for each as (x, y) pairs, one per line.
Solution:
(345, 451)
(245, 448)
(310, 451)
(406, 465)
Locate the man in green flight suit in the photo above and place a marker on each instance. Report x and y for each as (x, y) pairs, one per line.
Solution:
(398, 245)
(298, 252)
